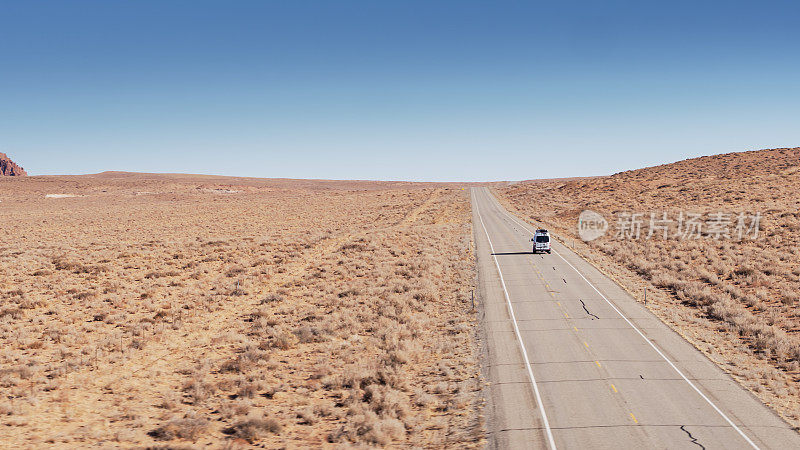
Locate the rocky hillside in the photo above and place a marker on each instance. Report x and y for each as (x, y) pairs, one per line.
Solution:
(9, 167)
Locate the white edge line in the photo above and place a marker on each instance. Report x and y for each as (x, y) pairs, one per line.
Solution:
(646, 340)
(550, 439)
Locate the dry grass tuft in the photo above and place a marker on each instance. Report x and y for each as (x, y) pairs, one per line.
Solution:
(187, 428)
(254, 429)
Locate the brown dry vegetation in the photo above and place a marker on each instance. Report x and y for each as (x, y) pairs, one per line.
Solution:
(193, 311)
(737, 301)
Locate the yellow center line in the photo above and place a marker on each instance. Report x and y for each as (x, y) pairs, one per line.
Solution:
(614, 387)
(634, 418)
(566, 315)
(558, 303)
(598, 363)
(584, 343)
(575, 328)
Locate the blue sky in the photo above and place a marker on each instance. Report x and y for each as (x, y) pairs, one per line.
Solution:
(447, 90)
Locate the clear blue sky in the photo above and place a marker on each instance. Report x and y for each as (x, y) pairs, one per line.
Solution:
(417, 90)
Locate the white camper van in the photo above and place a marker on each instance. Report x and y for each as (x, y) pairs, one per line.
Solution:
(541, 241)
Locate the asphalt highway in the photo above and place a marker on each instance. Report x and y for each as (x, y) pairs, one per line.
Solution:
(573, 361)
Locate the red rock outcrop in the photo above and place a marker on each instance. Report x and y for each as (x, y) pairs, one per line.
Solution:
(10, 168)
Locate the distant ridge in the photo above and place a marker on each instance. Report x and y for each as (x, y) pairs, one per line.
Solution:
(280, 183)
(9, 168)
(723, 166)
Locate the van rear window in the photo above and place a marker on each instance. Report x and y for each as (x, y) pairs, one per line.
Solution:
(542, 239)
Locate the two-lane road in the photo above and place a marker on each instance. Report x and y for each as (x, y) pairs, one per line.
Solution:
(574, 362)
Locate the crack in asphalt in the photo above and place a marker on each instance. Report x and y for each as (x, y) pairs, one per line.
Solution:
(694, 439)
(587, 311)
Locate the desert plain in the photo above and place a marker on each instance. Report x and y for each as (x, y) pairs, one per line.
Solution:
(176, 311)
(185, 311)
